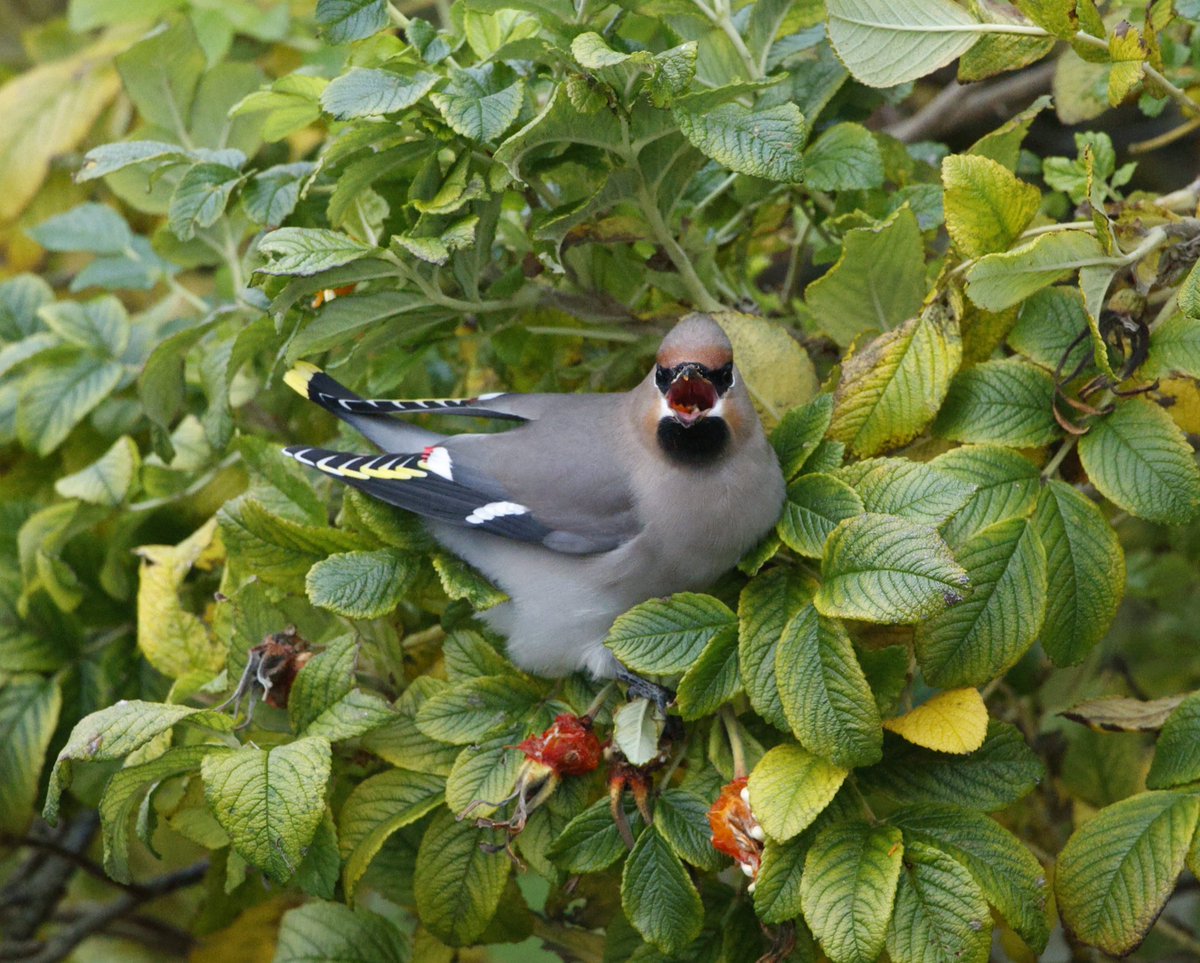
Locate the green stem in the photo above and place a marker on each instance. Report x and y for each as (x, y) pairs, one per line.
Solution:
(683, 264)
(729, 717)
(720, 19)
(1177, 94)
(200, 483)
(1063, 451)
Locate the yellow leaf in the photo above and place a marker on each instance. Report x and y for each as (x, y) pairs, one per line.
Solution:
(1181, 398)
(987, 207)
(248, 939)
(174, 640)
(954, 721)
(1129, 52)
(778, 371)
(46, 112)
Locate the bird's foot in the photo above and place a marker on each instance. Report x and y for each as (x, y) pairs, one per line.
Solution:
(639, 688)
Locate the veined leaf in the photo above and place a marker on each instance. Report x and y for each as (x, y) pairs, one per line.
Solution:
(1140, 460)
(658, 896)
(377, 808)
(916, 490)
(986, 206)
(1011, 879)
(764, 142)
(766, 605)
(270, 802)
(880, 568)
(1118, 868)
(941, 915)
(665, 636)
(999, 772)
(1085, 565)
(1006, 486)
(681, 817)
(790, 787)
(53, 400)
(331, 931)
(481, 102)
(884, 44)
(29, 709)
(878, 282)
(1048, 329)
(474, 709)
(825, 695)
(799, 432)
(361, 585)
(955, 722)
(591, 841)
(998, 281)
(309, 250)
(89, 227)
(1004, 402)
(1175, 344)
(984, 636)
(364, 92)
(849, 887)
(778, 372)
(345, 20)
(105, 481)
(815, 504)
(777, 891)
(484, 773)
(713, 679)
(845, 157)
(1177, 754)
(892, 387)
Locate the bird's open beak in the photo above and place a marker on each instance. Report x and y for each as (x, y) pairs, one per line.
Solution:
(691, 397)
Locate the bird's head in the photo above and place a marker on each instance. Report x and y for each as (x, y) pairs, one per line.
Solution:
(697, 388)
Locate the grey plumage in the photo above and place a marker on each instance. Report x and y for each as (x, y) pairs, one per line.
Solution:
(591, 503)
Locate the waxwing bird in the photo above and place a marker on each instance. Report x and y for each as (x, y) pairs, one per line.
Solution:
(590, 503)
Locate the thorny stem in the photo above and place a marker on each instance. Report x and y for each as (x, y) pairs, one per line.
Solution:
(729, 717)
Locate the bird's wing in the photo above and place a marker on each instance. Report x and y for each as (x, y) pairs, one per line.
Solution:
(430, 484)
(317, 386)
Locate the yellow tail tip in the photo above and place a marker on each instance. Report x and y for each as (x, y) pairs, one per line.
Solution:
(299, 376)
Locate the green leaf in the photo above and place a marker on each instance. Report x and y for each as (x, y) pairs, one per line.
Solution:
(987, 208)
(1011, 879)
(100, 325)
(1177, 754)
(892, 387)
(941, 915)
(161, 72)
(123, 791)
(367, 92)
(1117, 870)
(290, 104)
(790, 787)
(343, 21)
(53, 400)
(799, 432)
(1001, 771)
(270, 802)
(115, 732)
(1048, 329)
(558, 123)
(984, 636)
(591, 841)
(1175, 344)
(29, 711)
(361, 585)
(309, 250)
(849, 886)
(998, 281)
(200, 198)
(459, 878)
(883, 44)
(658, 896)
(402, 744)
(1141, 461)
(484, 774)
(681, 817)
(378, 807)
(665, 636)
(331, 931)
(461, 581)
(815, 504)
(762, 142)
(766, 605)
(96, 228)
(877, 283)
(271, 195)
(105, 481)
(713, 678)
(825, 695)
(1006, 486)
(880, 568)
(110, 158)
(915, 490)
(774, 366)
(1085, 566)
(481, 102)
(474, 709)
(353, 715)
(1003, 145)
(777, 889)
(635, 731)
(1005, 402)
(845, 157)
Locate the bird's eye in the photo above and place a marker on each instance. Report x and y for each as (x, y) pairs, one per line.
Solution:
(722, 378)
(662, 378)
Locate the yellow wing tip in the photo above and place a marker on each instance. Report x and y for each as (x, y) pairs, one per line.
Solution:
(299, 376)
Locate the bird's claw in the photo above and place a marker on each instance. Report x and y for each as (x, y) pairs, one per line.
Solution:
(639, 688)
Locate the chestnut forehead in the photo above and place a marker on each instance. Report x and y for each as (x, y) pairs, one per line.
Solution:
(711, 356)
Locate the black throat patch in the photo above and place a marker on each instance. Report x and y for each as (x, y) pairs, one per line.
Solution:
(701, 444)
